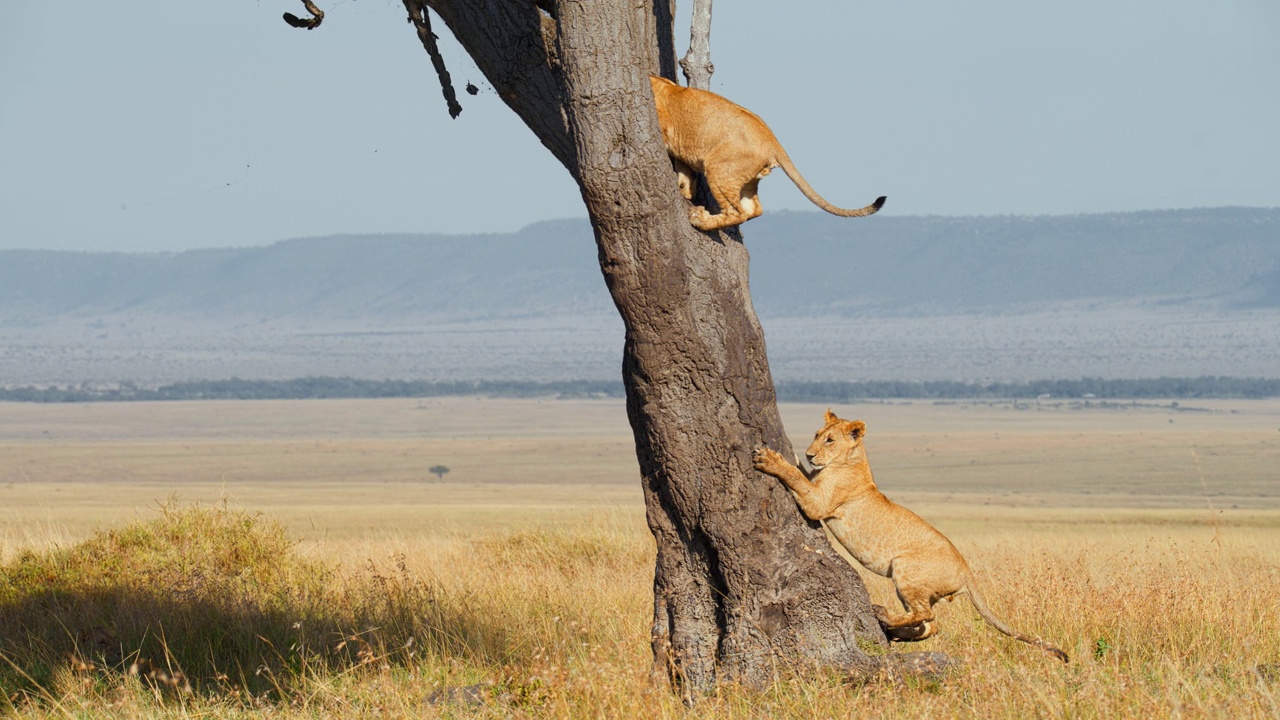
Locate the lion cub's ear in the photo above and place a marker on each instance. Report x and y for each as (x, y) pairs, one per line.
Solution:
(856, 429)
(830, 417)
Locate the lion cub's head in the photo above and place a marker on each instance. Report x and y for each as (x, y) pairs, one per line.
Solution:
(837, 440)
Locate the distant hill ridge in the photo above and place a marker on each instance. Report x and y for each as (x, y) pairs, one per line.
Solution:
(803, 263)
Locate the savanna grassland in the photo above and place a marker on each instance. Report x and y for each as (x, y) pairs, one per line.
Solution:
(297, 559)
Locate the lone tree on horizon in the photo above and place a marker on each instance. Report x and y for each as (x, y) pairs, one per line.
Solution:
(438, 471)
(743, 584)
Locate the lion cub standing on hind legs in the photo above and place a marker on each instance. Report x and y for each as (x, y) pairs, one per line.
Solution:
(732, 147)
(883, 536)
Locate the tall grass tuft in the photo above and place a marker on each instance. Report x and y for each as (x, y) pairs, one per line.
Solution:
(218, 607)
(194, 598)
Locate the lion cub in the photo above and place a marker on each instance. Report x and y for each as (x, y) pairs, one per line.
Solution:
(885, 537)
(732, 147)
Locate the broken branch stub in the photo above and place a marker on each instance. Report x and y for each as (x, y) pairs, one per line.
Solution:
(422, 23)
(311, 23)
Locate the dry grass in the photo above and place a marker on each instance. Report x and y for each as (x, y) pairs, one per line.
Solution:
(537, 595)
(552, 623)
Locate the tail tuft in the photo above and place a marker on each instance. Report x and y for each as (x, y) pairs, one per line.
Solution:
(879, 203)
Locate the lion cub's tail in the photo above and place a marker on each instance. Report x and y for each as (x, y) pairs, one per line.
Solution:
(784, 162)
(981, 606)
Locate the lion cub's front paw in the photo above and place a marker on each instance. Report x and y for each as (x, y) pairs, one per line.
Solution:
(699, 217)
(769, 461)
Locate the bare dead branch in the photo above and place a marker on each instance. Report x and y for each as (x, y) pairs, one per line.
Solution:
(422, 23)
(311, 23)
(696, 63)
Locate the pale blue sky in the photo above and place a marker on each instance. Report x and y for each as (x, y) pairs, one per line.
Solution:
(152, 125)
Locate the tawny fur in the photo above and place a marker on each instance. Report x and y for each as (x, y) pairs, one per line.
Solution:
(883, 536)
(732, 147)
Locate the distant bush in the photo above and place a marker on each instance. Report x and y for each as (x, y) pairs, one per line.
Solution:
(313, 388)
(833, 391)
(1084, 388)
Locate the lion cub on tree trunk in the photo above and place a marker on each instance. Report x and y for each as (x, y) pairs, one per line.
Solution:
(883, 536)
(732, 147)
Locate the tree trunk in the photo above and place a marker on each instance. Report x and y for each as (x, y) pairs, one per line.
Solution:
(742, 579)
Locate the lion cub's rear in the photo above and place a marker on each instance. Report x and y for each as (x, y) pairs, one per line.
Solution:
(726, 142)
(885, 537)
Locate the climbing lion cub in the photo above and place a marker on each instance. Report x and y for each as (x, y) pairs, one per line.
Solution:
(885, 537)
(732, 147)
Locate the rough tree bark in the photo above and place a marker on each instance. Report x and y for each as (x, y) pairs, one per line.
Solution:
(742, 580)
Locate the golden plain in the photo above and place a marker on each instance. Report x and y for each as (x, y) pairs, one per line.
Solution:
(1142, 537)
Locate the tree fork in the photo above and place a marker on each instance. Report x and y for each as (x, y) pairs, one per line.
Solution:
(513, 44)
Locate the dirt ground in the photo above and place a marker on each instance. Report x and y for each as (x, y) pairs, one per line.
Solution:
(358, 468)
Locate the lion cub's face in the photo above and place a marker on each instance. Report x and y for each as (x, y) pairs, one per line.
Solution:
(837, 440)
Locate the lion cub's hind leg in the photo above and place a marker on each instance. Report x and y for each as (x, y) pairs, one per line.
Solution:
(735, 193)
(750, 201)
(917, 622)
(915, 633)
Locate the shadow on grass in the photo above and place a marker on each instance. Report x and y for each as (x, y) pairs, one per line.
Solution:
(214, 601)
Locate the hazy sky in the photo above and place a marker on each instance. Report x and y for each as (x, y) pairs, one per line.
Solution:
(158, 125)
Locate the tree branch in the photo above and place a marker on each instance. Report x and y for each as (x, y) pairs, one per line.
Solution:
(513, 45)
(422, 23)
(311, 23)
(696, 63)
